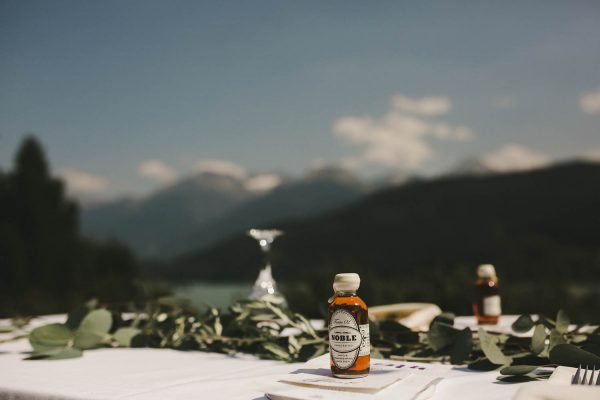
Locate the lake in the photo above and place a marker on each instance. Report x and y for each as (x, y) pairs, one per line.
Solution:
(219, 295)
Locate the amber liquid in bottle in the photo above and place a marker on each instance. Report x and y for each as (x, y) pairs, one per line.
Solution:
(347, 304)
(486, 302)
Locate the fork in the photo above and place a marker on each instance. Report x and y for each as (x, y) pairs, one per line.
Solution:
(585, 381)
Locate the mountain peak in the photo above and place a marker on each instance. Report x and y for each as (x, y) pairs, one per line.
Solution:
(332, 173)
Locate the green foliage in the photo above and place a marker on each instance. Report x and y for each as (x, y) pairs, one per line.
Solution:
(573, 356)
(489, 346)
(49, 337)
(269, 330)
(441, 335)
(520, 359)
(538, 340)
(124, 336)
(562, 322)
(518, 369)
(462, 347)
(97, 321)
(59, 353)
(523, 324)
(250, 326)
(86, 340)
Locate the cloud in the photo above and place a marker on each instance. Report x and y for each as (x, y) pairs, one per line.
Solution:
(158, 170)
(401, 137)
(263, 182)
(589, 102)
(426, 106)
(592, 155)
(514, 157)
(83, 183)
(221, 167)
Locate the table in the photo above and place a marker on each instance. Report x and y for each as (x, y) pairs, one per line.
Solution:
(151, 374)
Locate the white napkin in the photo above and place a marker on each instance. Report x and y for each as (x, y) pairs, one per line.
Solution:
(558, 387)
(416, 316)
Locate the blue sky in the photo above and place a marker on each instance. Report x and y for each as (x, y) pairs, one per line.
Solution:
(129, 95)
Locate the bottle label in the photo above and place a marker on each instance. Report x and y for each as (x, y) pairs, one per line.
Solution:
(365, 346)
(347, 339)
(491, 306)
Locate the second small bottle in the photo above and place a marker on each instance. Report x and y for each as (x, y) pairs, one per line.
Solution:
(486, 301)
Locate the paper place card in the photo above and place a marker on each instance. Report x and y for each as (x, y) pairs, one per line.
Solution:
(313, 381)
(413, 387)
(375, 381)
(317, 373)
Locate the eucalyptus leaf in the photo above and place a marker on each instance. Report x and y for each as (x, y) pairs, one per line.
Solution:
(491, 349)
(276, 350)
(310, 351)
(293, 344)
(522, 324)
(49, 337)
(61, 353)
(218, 326)
(75, 317)
(482, 364)
(279, 312)
(124, 336)
(445, 317)
(578, 338)
(304, 342)
(556, 338)
(562, 322)
(462, 346)
(441, 335)
(592, 348)
(538, 340)
(391, 325)
(263, 317)
(98, 321)
(140, 340)
(273, 299)
(87, 340)
(518, 378)
(308, 328)
(547, 322)
(518, 369)
(572, 356)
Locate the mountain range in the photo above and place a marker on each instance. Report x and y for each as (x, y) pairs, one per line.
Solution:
(203, 209)
(423, 240)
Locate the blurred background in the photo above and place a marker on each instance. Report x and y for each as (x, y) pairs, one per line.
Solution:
(139, 140)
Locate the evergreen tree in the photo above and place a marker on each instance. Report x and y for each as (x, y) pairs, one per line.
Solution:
(45, 264)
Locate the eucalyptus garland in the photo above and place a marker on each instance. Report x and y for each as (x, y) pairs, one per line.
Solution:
(269, 330)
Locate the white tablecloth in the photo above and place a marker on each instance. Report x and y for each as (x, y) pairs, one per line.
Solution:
(168, 374)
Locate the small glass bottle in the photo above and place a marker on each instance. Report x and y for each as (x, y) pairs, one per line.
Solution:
(486, 303)
(348, 322)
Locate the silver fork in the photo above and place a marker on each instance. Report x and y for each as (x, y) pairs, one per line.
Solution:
(577, 380)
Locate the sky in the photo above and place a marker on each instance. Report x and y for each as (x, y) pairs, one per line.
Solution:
(127, 96)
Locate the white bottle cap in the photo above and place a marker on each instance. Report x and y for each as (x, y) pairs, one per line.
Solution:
(348, 282)
(486, 271)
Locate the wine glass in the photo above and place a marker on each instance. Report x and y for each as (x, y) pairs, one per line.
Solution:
(265, 287)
